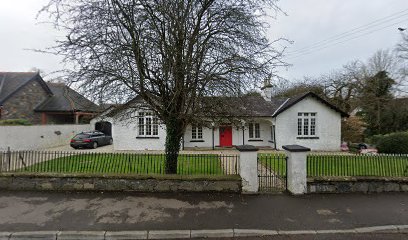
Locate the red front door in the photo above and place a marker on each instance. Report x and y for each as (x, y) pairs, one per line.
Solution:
(226, 136)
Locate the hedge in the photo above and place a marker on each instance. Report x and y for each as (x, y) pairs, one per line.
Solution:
(393, 143)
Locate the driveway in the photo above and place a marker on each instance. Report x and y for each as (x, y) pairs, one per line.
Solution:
(68, 148)
(109, 148)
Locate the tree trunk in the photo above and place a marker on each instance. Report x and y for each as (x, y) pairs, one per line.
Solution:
(174, 133)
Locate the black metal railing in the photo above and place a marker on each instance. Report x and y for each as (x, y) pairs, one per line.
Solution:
(115, 163)
(378, 165)
(272, 172)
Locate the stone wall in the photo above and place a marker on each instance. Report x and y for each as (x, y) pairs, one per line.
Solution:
(357, 184)
(22, 104)
(81, 182)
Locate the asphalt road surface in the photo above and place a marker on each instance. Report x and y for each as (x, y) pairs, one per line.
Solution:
(36, 211)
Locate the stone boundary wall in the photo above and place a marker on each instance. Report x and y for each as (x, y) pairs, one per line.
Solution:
(38, 136)
(135, 183)
(357, 185)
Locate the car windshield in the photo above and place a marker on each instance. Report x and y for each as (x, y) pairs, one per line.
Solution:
(81, 136)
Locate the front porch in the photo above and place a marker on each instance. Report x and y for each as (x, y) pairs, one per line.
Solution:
(258, 132)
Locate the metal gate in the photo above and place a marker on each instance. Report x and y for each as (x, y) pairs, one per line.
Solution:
(272, 172)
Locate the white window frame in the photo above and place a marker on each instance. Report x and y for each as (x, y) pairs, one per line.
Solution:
(307, 124)
(196, 132)
(147, 125)
(272, 133)
(254, 130)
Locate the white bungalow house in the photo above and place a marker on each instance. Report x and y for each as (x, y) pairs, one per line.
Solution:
(265, 121)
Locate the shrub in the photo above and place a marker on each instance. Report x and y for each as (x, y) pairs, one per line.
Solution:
(14, 122)
(393, 143)
(375, 139)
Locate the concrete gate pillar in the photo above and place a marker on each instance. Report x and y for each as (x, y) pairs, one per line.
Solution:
(296, 168)
(248, 168)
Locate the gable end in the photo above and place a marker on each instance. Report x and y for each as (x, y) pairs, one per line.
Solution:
(292, 101)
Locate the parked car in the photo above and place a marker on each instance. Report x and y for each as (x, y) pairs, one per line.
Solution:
(92, 139)
(344, 147)
(363, 148)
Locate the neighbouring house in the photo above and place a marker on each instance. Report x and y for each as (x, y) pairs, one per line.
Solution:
(25, 95)
(263, 121)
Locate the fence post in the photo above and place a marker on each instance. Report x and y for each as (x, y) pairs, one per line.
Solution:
(248, 168)
(8, 165)
(296, 168)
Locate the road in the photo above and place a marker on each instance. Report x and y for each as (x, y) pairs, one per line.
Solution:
(29, 211)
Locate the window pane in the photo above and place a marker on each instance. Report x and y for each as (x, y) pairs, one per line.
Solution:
(141, 126)
(193, 132)
(155, 126)
(299, 126)
(313, 126)
(257, 131)
(155, 120)
(200, 133)
(306, 126)
(299, 114)
(148, 126)
(251, 130)
(313, 114)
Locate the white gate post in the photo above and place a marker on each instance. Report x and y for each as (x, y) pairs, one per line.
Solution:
(296, 168)
(248, 168)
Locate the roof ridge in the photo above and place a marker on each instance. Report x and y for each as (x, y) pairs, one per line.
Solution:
(283, 104)
(18, 86)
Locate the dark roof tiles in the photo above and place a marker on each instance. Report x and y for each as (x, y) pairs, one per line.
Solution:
(11, 82)
(244, 106)
(66, 99)
(295, 99)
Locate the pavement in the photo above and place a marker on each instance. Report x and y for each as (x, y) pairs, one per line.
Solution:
(113, 211)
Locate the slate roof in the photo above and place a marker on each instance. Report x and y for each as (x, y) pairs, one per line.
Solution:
(65, 99)
(245, 106)
(293, 100)
(11, 82)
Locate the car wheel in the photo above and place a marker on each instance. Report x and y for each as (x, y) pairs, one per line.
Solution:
(110, 141)
(94, 145)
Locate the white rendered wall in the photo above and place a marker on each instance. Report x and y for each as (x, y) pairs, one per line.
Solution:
(38, 136)
(206, 141)
(264, 140)
(297, 172)
(248, 171)
(328, 126)
(265, 132)
(124, 135)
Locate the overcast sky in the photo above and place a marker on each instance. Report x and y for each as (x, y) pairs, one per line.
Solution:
(312, 25)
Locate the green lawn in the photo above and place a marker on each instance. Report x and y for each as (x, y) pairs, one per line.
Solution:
(357, 165)
(117, 163)
(342, 165)
(275, 162)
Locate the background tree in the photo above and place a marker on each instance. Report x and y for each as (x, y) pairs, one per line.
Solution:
(352, 129)
(172, 53)
(375, 98)
(286, 89)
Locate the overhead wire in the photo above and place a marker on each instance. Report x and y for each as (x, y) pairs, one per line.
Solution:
(350, 34)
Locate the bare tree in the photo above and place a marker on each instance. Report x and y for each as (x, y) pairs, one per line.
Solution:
(171, 53)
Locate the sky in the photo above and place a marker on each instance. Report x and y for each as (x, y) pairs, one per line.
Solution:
(313, 26)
